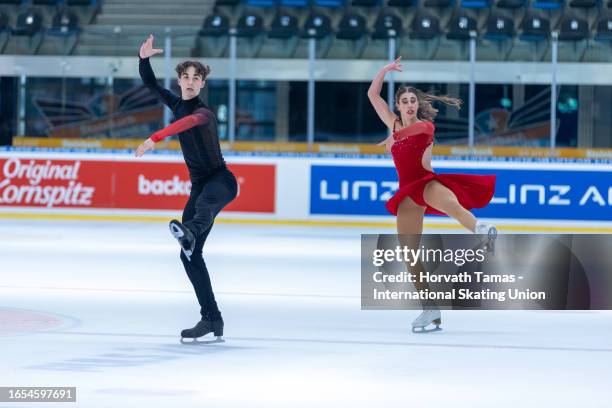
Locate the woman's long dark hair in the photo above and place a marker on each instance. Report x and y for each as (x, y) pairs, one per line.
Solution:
(426, 110)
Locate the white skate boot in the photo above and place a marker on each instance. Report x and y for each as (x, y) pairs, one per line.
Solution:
(491, 233)
(425, 319)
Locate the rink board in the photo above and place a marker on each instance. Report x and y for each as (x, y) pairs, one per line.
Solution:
(293, 189)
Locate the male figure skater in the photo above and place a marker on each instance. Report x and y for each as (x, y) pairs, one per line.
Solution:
(213, 186)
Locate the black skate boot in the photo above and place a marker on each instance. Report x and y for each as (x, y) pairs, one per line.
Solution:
(185, 237)
(202, 328)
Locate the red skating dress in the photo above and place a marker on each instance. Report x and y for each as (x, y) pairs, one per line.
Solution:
(472, 191)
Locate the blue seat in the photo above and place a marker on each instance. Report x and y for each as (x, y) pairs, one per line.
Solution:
(261, 3)
(425, 27)
(535, 28)
(64, 23)
(365, 3)
(227, 2)
(604, 29)
(401, 3)
(46, 2)
(499, 27)
(387, 26)
(294, 3)
(215, 25)
(284, 26)
(573, 29)
(460, 26)
(478, 4)
(317, 25)
(351, 27)
(28, 24)
(330, 3)
(548, 4)
(249, 25)
(583, 3)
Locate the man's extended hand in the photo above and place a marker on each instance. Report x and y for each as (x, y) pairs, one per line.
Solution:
(147, 50)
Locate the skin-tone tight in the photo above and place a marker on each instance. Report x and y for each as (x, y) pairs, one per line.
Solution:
(410, 221)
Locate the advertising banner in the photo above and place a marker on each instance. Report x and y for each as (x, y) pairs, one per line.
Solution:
(122, 184)
(521, 194)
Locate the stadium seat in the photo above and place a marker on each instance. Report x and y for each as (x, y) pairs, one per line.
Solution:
(573, 29)
(29, 23)
(352, 27)
(401, 3)
(64, 23)
(295, 3)
(45, 2)
(365, 3)
(535, 28)
(80, 2)
(3, 22)
(477, 4)
(317, 25)
(261, 3)
(387, 26)
(215, 25)
(249, 25)
(425, 27)
(439, 3)
(330, 3)
(5, 30)
(604, 29)
(227, 2)
(583, 3)
(547, 4)
(284, 26)
(510, 4)
(460, 26)
(499, 27)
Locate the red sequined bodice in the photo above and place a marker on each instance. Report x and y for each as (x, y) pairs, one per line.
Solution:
(408, 149)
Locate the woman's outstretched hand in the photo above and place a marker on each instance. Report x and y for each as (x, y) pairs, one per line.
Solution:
(394, 66)
(147, 50)
(144, 146)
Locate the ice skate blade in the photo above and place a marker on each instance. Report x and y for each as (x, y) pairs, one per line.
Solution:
(420, 330)
(492, 236)
(192, 341)
(187, 254)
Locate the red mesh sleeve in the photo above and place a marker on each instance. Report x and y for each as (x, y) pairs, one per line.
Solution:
(179, 126)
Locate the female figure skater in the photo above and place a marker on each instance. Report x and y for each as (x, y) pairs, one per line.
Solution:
(213, 186)
(421, 190)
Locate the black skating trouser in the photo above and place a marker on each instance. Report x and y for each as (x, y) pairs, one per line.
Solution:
(207, 198)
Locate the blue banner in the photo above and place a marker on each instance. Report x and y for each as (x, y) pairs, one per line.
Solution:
(530, 194)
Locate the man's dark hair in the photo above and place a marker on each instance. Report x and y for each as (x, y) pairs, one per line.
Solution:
(201, 69)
